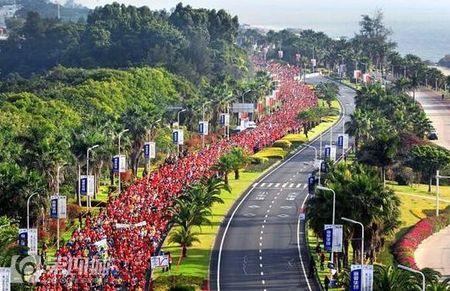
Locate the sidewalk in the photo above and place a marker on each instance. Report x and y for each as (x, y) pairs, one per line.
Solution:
(438, 111)
(434, 252)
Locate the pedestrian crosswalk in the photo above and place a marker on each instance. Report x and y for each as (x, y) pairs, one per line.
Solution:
(286, 185)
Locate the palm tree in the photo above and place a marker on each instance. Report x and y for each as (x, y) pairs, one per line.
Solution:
(359, 194)
(439, 286)
(186, 214)
(224, 166)
(201, 195)
(239, 158)
(388, 278)
(359, 126)
(185, 238)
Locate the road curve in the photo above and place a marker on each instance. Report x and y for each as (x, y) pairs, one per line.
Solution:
(261, 243)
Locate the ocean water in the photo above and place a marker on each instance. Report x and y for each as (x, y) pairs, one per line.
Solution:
(420, 27)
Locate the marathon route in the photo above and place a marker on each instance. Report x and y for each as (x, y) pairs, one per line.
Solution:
(261, 243)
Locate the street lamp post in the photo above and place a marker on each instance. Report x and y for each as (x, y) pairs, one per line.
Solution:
(362, 236)
(178, 125)
(148, 136)
(28, 210)
(57, 212)
(319, 187)
(315, 157)
(414, 271)
(438, 177)
(120, 137)
(87, 174)
(203, 119)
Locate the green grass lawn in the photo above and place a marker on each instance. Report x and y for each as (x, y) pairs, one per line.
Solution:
(417, 203)
(197, 262)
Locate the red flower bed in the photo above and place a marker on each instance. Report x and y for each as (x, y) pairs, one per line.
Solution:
(404, 249)
(145, 203)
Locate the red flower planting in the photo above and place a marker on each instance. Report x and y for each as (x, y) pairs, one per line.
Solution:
(404, 249)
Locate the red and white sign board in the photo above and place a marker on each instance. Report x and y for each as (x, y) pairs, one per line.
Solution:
(160, 261)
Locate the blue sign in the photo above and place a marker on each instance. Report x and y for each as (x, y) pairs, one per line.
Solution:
(83, 186)
(54, 208)
(222, 119)
(328, 239)
(311, 184)
(147, 150)
(327, 153)
(175, 137)
(355, 280)
(340, 141)
(116, 164)
(23, 242)
(201, 128)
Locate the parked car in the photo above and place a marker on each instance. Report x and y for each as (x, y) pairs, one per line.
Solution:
(432, 135)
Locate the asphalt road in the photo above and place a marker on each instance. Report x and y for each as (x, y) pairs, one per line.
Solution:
(438, 111)
(434, 252)
(261, 243)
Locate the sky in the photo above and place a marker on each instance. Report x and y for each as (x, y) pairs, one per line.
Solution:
(420, 26)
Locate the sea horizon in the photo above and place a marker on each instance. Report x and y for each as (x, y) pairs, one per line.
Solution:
(419, 27)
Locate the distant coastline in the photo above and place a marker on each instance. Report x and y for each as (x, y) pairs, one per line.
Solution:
(444, 70)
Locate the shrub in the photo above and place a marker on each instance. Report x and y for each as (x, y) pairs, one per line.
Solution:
(284, 144)
(271, 153)
(298, 138)
(258, 160)
(405, 176)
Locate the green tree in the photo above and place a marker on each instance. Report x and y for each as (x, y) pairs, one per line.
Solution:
(8, 240)
(327, 91)
(428, 159)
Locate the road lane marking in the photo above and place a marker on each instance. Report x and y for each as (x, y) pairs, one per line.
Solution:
(250, 191)
(291, 185)
(284, 185)
(283, 215)
(299, 185)
(286, 207)
(298, 246)
(277, 185)
(270, 185)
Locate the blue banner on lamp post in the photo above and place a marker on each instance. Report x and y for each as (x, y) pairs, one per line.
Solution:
(54, 208)
(355, 278)
(328, 239)
(83, 185)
